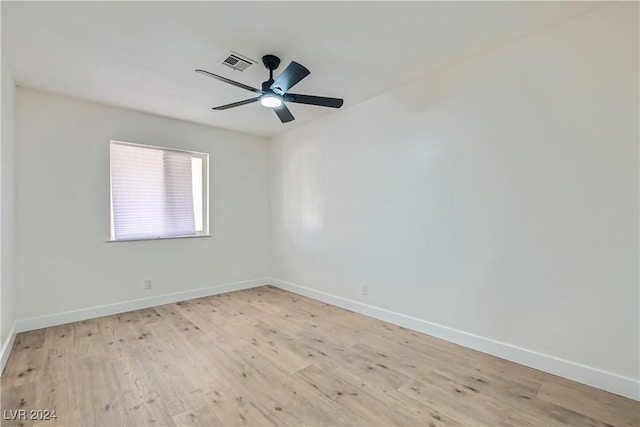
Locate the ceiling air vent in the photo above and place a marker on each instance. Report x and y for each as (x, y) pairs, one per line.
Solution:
(237, 61)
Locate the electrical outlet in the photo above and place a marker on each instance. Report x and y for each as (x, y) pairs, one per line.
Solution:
(148, 284)
(365, 290)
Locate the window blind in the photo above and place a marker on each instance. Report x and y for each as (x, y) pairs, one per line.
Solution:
(151, 192)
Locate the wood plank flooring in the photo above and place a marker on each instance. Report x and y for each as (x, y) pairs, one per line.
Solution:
(264, 357)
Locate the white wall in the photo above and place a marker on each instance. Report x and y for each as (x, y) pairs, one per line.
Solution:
(63, 260)
(498, 197)
(7, 207)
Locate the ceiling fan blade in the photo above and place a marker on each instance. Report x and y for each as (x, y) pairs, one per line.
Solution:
(321, 101)
(289, 78)
(284, 114)
(231, 82)
(236, 104)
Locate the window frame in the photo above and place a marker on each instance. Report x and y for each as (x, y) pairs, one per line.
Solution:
(205, 194)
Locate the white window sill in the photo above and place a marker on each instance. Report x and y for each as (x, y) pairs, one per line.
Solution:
(159, 238)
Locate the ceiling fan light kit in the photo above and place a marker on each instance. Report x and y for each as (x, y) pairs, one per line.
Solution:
(275, 93)
(270, 100)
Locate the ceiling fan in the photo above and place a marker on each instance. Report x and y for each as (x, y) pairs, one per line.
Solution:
(274, 94)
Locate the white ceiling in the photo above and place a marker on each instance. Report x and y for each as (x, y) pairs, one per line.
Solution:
(142, 55)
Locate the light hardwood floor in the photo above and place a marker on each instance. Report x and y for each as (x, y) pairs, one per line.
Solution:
(265, 356)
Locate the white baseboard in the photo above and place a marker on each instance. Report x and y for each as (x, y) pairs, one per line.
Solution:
(137, 304)
(6, 347)
(608, 381)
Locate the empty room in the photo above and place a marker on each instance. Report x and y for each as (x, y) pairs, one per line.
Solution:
(320, 213)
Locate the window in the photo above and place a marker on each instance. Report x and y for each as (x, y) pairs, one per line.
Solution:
(158, 192)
